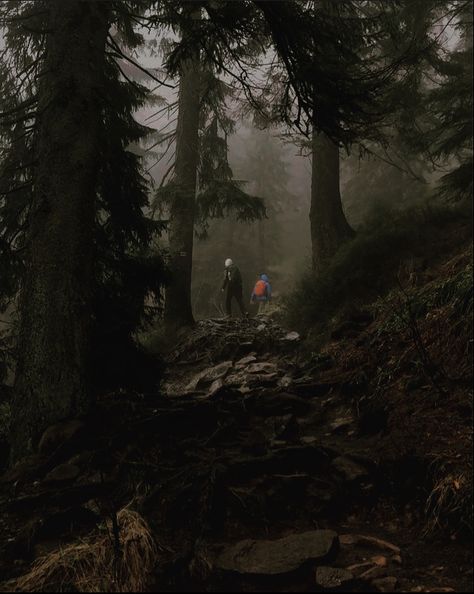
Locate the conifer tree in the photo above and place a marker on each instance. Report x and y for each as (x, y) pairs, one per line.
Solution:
(56, 299)
(73, 200)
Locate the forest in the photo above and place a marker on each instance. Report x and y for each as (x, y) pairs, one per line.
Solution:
(236, 295)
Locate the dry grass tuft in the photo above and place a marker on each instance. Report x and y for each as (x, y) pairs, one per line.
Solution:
(450, 497)
(95, 564)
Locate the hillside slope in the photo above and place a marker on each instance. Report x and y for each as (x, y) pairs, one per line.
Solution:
(266, 465)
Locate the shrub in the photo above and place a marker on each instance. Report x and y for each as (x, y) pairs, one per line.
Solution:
(367, 267)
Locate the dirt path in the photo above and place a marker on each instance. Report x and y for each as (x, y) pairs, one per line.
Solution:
(255, 470)
(288, 452)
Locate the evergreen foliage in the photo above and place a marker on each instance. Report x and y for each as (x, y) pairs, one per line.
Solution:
(367, 267)
(128, 271)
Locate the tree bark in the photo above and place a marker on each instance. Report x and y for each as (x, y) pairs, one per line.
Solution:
(178, 308)
(55, 303)
(261, 259)
(329, 227)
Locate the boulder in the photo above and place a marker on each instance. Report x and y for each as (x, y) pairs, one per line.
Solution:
(62, 473)
(216, 386)
(348, 469)
(241, 363)
(218, 371)
(291, 337)
(277, 557)
(209, 375)
(58, 434)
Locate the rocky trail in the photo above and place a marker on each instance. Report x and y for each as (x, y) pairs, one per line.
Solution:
(255, 469)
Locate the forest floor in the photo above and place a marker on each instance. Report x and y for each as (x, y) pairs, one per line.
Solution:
(263, 466)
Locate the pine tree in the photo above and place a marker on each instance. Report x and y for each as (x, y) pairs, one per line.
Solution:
(178, 309)
(105, 270)
(329, 227)
(56, 300)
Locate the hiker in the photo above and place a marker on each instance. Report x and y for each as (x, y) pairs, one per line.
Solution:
(233, 284)
(262, 292)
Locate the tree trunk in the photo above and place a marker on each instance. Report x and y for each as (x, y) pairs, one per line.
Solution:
(261, 256)
(55, 303)
(261, 259)
(178, 308)
(329, 227)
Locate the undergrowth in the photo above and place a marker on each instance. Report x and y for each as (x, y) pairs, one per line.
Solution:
(96, 563)
(368, 267)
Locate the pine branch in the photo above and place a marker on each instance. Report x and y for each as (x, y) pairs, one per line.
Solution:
(112, 44)
(23, 105)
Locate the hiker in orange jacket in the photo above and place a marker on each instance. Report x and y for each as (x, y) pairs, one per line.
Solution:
(262, 292)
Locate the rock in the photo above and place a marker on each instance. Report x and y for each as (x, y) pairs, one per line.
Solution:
(209, 375)
(277, 557)
(263, 367)
(215, 387)
(193, 384)
(332, 577)
(348, 469)
(285, 381)
(241, 363)
(62, 473)
(291, 337)
(352, 539)
(386, 584)
(341, 423)
(258, 380)
(379, 560)
(218, 371)
(261, 327)
(236, 379)
(58, 434)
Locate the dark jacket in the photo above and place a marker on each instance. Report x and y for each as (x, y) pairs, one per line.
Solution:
(232, 279)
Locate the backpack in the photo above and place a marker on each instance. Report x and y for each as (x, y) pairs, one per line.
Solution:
(260, 289)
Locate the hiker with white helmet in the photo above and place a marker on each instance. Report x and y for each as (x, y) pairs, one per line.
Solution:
(233, 284)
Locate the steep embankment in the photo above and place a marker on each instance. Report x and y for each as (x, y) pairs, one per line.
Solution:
(264, 466)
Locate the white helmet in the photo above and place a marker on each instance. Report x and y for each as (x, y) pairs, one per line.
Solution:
(228, 263)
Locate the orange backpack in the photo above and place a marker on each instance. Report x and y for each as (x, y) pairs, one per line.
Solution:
(260, 289)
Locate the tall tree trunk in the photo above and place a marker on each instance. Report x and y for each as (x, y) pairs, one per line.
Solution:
(55, 303)
(329, 227)
(178, 308)
(261, 256)
(261, 259)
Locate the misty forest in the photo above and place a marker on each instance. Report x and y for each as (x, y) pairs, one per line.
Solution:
(236, 295)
